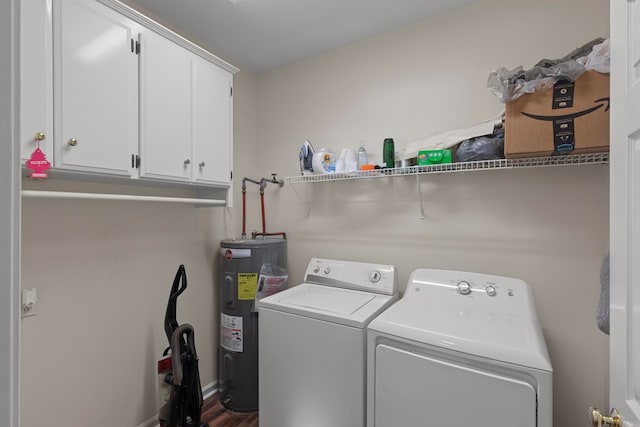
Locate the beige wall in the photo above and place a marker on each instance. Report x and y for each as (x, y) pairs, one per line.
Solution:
(548, 226)
(103, 269)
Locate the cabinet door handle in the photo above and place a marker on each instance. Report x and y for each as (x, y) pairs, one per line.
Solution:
(40, 136)
(72, 142)
(187, 162)
(201, 164)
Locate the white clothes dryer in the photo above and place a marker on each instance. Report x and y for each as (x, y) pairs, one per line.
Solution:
(312, 341)
(459, 349)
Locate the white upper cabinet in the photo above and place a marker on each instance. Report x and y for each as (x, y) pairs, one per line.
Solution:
(165, 123)
(95, 88)
(212, 123)
(110, 92)
(36, 85)
(185, 126)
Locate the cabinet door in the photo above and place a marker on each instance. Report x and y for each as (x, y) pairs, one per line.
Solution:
(212, 123)
(95, 88)
(36, 82)
(165, 122)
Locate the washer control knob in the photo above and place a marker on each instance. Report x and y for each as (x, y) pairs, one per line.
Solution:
(327, 270)
(375, 276)
(464, 287)
(491, 290)
(316, 270)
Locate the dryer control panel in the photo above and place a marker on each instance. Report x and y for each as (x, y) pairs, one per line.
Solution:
(362, 276)
(462, 290)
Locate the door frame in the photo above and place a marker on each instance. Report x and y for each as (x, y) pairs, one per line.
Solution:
(624, 199)
(10, 188)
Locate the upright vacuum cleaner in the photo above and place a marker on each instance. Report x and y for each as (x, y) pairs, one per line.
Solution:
(183, 402)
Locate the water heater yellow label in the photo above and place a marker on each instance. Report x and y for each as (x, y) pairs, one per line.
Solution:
(247, 285)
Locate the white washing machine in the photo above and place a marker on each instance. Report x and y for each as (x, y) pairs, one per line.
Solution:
(459, 349)
(312, 344)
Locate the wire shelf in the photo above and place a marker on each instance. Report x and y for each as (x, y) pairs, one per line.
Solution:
(527, 162)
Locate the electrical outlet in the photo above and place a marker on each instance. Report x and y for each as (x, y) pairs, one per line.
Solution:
(28, 310)
(29, 299)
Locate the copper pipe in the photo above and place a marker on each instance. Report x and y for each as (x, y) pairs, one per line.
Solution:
(244, 210)
(262, 184)
(264, 221)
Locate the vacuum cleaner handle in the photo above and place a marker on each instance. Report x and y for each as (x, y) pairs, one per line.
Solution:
(178, 287)
(177, 341)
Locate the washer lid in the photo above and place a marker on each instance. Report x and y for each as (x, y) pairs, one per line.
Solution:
(344, 306)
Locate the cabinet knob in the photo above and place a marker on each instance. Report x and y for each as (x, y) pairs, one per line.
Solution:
(187, 162)
(201, 164)
(40, 136)
(72, 142)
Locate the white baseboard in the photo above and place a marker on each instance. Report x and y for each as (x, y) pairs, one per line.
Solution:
(207, 391)
(150, 422)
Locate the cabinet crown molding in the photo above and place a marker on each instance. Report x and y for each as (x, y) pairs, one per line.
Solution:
(149, 23)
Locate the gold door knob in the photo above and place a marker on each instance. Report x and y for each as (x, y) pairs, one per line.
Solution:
(187, 162)
(39, 136)
(201, 164)
(599, 420)
(72, 142)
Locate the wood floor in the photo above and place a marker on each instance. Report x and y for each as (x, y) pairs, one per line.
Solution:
(217, 416)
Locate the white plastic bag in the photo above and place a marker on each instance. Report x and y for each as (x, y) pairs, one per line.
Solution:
(272, 279)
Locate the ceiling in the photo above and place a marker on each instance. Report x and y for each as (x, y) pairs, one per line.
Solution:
(264, 34)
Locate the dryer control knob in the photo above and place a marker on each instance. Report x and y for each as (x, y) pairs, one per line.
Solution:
(375, 276)
(327, 270)
(464, 287)
(491, 290)
(316, 270)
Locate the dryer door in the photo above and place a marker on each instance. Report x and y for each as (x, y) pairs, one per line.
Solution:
(417, 390)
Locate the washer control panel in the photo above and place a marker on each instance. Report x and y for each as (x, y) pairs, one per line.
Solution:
(378, 278)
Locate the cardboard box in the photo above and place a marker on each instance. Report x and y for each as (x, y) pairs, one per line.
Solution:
(434, 157)
(569, 118)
